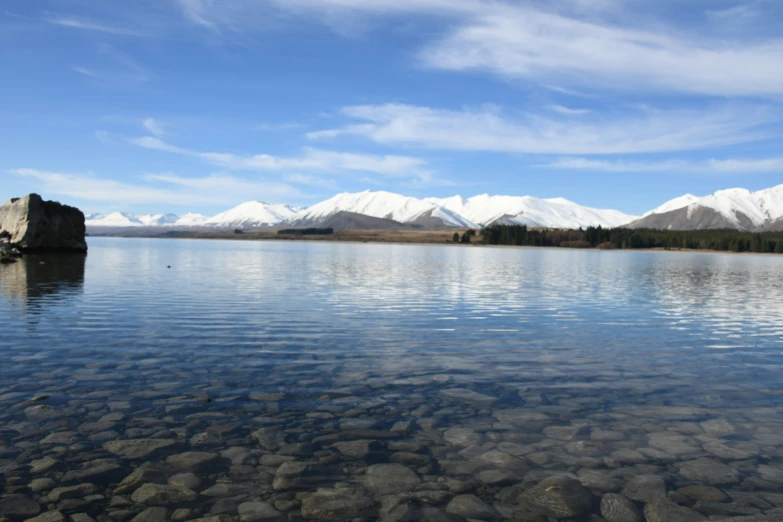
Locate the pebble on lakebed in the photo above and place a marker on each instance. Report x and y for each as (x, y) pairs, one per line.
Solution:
(437, 452)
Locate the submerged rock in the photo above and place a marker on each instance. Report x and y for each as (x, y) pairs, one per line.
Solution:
(664, 510)
(32, 224)
(617, 508)
(138, 448)
(328, 504)
(470, 506)
(390, 479)
(159, 495)
(558, 497)
(709, 471)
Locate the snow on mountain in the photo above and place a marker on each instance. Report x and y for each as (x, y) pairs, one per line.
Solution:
(126, 219)
(381, 204)
(253, 214)
(454, 211)
(527, 210)
(191, 219)
(674, 204)
(115, 219)
(739, 207)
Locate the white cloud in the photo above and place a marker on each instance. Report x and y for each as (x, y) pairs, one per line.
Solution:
(567, 110)
(743, 12)
(592, 44)
(153, 127)
(714, 166)
(525, 43)
(488, 130)
(311, 159)
(176, 190)
(114, 69)
(89, 25)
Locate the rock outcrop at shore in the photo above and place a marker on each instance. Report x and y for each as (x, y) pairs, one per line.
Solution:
(31, 224)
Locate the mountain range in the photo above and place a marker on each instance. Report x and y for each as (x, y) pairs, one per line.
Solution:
(733, 208)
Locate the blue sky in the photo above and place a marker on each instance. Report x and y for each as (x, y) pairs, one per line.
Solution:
(198, 105)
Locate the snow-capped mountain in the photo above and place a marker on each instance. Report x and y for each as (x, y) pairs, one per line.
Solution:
(253, 214)
(455, 211)
(387, 205)
(527, 210)
(126, 219)
(733, 208)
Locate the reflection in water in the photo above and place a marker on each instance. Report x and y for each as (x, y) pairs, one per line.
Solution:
(35, 280)
(470, 371)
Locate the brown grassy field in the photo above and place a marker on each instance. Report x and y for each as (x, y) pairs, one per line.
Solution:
(355, 236)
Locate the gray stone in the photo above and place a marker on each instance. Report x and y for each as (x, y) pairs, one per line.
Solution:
(296, 475)
(222, 489)
(674, 444)
(709, 471)
(206, 438)
(771, 473)
(138, 448)
(43, 465)
(390, 479)
(498, 477)
(18, 506)
(401, 508)
(185, 480)
(224, 506)
(214, 518)
(699, 492)
(49, 516)
(472, 507)
(731, 450)
(257, 512)
(159, 495)
(80, 491)
(664, 510)
(137, 479)
(328, 504)
(153, 514)
(359, 449)
(617, 508)
(40, 485)
(81, 517)
(726, 509)
(468, 396)
(564, 432)
(36, 225)
(462, 436)
(645, 488)
(558, 497)
(193, 460)
(98, 473)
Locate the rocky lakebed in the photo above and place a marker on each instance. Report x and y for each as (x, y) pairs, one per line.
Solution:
(90, 446)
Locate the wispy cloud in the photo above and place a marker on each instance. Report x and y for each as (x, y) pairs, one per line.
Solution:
(714, 166)
(588, 44)
(90, 25)
(489, 130)
(524, 43)
(311, 159)
(153, 126)
(114, 69)
(569, 111)
(161, 189)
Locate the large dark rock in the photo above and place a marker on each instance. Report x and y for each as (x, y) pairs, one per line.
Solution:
(34, 225)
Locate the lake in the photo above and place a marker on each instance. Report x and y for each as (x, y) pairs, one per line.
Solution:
(177, 379)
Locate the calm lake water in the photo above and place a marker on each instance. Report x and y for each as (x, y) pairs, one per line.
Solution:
(427, 382)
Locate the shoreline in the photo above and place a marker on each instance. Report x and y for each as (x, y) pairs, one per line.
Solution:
(403, 237)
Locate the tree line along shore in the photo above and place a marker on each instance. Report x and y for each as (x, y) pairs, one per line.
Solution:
(721, 240)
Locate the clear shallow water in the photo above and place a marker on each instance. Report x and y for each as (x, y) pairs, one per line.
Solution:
(494, 367)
